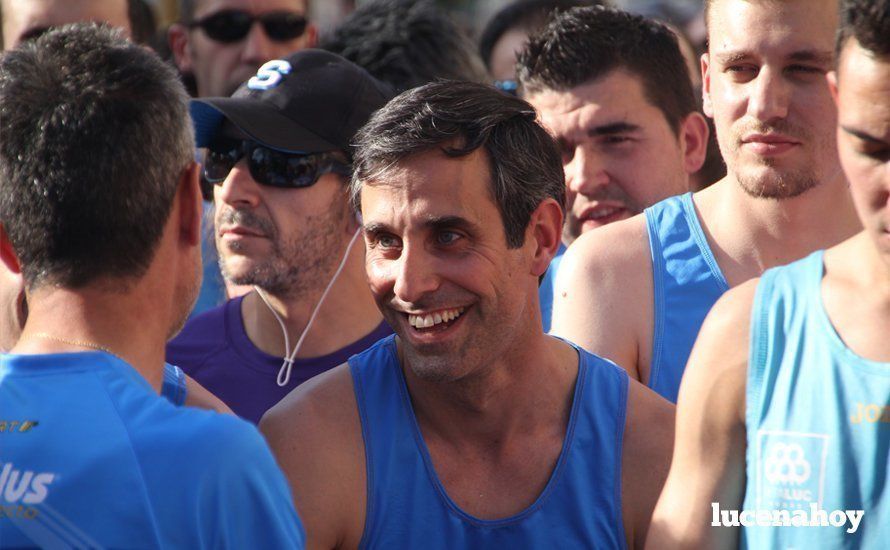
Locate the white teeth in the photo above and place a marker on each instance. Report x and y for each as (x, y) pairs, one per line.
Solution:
(604, 213)
(432, 319)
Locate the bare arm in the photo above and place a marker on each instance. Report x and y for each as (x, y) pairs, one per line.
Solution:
(315, 434)
(603, 297)
(709, 451)
(645, 459)
(197, 396)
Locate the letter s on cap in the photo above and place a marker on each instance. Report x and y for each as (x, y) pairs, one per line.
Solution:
(269, 75)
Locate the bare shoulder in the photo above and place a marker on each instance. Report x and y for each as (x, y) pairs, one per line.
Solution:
(645, 458)
(198, 396)
(603, 297)
(619, 246)
(315, 434)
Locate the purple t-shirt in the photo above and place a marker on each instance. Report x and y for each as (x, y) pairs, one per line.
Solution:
(214, 349)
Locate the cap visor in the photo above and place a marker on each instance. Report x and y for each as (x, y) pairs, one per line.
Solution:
(263, 123)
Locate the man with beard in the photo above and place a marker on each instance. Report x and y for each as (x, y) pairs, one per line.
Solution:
(642, 303)
(614, 90)
(784, 409)
(100, 213)
(472, 428)
(279, 154)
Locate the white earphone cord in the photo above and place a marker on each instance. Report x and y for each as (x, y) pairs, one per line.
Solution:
(290, 356)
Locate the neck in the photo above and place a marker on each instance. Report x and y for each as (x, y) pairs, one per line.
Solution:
(347, 314)
(754, 234)
(127, 326)
(521, 391)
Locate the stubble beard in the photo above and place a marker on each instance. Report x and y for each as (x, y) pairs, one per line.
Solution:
(297, 267)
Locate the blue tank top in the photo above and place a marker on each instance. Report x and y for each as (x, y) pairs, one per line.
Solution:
(686, 283)
(92, 457)
(408, 507)
(818, 418)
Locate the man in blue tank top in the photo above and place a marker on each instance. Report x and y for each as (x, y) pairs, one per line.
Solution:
(472, 428)
(641, 302)
(785, 413)
(613, 89)
(99, 217)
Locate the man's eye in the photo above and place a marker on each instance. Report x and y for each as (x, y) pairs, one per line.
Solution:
(878, 153)
(615, 140)
(742, 72)
(447, 237)
(385, 241)
(806, 69)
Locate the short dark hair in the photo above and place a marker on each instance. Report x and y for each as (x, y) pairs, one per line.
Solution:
(406, 43)
(95, 136)
(868, 21)
(526, 15)
(458, 118)
(584, 44)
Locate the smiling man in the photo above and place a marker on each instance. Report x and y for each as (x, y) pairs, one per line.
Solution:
(472, 428)
(641, 304)
(614, 91)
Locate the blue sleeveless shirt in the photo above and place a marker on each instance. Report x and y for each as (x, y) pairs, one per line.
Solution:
(818, 418)
(687, 283)
(408, 507)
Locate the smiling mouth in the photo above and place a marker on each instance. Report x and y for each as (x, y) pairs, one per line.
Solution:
(435, 320)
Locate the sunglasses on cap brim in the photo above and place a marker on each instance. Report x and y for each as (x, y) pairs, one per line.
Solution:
(267, 166)
(233, 25)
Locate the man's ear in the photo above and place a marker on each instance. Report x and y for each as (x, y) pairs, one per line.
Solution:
(8, 256)
(545, 233)
(178, 39)
(190, 205)
(311, 36)
(831, 77)
(693, 137)
(707, 106)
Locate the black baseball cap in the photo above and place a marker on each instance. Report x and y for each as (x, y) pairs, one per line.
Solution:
(311, 101)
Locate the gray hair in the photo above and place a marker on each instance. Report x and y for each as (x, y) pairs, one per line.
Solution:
(458, 118)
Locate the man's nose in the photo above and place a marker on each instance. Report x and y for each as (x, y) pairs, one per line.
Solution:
(586, 172)
(239, 189)
(770, 96)
(416, 275)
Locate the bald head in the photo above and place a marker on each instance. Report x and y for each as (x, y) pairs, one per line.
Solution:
(24, 19)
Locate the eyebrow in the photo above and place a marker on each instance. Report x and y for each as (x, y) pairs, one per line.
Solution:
(434, 223)
(861, 135)
(823, 57)
(614, 128)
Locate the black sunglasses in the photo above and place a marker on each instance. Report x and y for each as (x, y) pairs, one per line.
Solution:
(233, 25)
(268, 166)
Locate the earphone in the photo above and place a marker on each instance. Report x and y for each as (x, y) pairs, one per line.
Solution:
(289, 356)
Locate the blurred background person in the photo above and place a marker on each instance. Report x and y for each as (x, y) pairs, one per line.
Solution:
(406, 43)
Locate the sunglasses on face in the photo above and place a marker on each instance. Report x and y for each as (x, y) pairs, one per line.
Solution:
(233, 25)
(268, 166)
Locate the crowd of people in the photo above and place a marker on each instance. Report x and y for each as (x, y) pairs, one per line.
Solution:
(383, 287)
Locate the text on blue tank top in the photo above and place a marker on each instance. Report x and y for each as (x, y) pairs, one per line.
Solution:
(818, 422)
(687, 282)
(407, 506)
